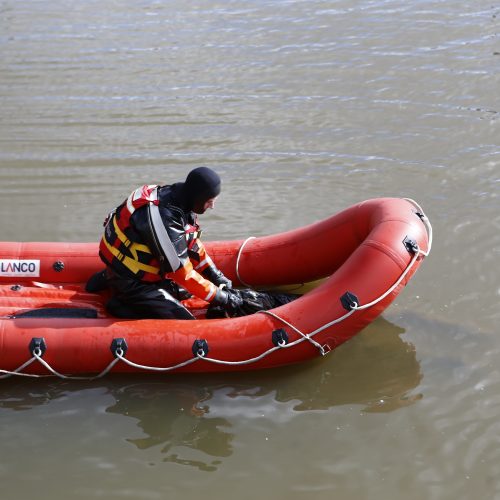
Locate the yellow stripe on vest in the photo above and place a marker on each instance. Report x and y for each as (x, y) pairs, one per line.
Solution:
(134, 265)
(132, 246)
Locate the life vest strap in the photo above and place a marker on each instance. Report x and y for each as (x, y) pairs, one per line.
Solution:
(134, 265)
(132, 246)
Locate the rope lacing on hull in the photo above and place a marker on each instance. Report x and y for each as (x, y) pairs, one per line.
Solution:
(200, 348)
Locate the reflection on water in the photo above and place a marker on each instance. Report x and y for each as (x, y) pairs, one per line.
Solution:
(175, 416)
(185, 414)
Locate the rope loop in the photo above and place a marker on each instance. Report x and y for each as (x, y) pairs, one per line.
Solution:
(238, 258)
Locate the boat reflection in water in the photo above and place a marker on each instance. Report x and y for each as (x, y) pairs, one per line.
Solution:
(188, 416)
(378, 371)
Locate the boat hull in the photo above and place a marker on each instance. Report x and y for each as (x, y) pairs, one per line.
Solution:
(363, 257)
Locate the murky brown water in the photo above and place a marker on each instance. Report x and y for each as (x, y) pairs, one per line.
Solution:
(304, 107)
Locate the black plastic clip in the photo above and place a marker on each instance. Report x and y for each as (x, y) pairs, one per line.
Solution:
(58, 266)
(349, 301)
(200, 348)
(280, 337)
(119, 346)
(410, 245)
(38, 346)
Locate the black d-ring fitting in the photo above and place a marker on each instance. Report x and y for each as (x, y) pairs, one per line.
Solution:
(200, 348)
(119, 346)
(38, 346)
(410, 245)
(280, 337)
(349, 301)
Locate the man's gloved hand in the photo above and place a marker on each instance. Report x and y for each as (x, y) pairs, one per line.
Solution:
(252, 302)
(233, 303)
(224, 282)
(217, 277)
(230, 300)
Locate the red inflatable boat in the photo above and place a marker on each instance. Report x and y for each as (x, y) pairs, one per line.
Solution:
(354, 264)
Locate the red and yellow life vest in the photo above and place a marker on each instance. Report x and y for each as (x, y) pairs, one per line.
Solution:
(116, 248)
(119, 251)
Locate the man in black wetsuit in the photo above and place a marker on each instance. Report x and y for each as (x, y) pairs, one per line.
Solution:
(153, 253)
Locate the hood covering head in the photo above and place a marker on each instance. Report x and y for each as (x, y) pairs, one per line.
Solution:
(201, 185)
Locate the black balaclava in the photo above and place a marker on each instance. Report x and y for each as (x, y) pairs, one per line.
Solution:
(201, 184)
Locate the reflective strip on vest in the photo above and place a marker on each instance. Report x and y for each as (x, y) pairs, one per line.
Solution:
(207, 262)
(162, 237)
(211, 294)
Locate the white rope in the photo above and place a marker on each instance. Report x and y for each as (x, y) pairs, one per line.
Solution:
(74, 377)
(17, 371)
(240, 251)
(393, 287)
(304, 336)
(427, 224)
(355, 307)
(120, 356)
(37, 356)
(242, 362)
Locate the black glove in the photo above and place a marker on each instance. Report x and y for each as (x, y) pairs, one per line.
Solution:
(252, 302)
(229, 300)
(233, 303)
(217, 277)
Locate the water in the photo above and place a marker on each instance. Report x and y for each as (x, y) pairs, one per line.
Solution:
(303, 107)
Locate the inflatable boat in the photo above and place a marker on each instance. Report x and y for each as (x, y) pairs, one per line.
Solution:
(347, 268)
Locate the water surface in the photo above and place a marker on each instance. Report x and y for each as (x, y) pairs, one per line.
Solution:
(303, 107)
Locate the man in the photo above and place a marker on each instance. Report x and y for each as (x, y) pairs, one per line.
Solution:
(153, 253)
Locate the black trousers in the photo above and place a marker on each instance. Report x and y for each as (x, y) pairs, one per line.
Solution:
(135, 299)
